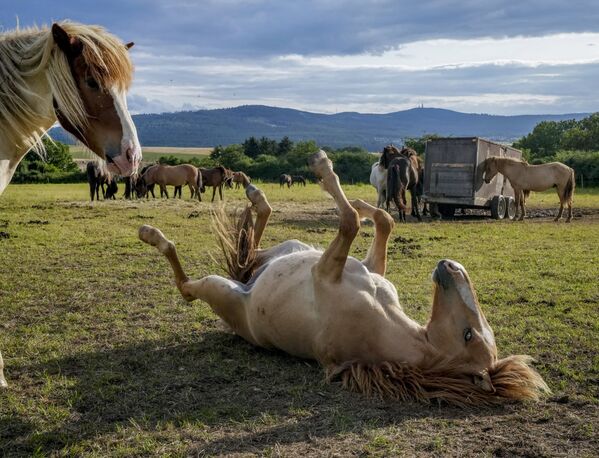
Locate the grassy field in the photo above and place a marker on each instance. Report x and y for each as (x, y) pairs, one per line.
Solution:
(150, 153)
(104, 357)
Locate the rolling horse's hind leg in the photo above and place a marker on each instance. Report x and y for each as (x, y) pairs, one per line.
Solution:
(376, 258)
(263, 211)
(332, 262)
(225, 297)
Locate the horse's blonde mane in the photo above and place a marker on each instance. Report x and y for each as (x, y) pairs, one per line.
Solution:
(512, 378)
(26, 53)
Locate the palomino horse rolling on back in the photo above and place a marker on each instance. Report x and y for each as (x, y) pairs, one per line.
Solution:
(76, 74)
(171, 175)
(525, 178)
(214, 177)
(343, 313)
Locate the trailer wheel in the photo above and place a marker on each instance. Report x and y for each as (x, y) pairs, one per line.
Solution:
(498, 207)
(447, 210)
(510, 208)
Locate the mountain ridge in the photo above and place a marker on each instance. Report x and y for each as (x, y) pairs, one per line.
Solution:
(223, 126)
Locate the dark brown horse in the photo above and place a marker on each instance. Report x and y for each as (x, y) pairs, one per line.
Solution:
(404, 173)
(98, 177)
(214, 177)
(300, 180)
(285, 179)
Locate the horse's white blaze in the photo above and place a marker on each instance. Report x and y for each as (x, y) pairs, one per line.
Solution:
(464, 289)
(129, 142)
(488, 335)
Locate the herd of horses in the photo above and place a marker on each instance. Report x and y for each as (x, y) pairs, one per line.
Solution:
(142, 184)
(322, 305)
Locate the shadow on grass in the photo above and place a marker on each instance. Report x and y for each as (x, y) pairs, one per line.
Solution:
(251, 399)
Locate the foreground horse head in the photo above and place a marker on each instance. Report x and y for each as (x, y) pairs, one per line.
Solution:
(102, 71)
(76, 74)
(342, 312)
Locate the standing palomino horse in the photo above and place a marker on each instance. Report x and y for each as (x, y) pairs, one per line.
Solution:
(171, 175)
(525, 178)
(343, 313)
(76, 74)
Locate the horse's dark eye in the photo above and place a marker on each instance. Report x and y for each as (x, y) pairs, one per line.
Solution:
(467, 334)
(92, 83)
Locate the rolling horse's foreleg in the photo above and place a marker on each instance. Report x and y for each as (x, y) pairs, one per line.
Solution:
(376, 258)
(332, 262)
(225, 297)
(263, 210)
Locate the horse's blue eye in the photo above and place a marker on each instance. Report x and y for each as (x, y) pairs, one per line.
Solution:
(467, 334)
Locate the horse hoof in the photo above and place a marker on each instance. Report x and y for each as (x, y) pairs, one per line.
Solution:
(320, 164)
(150, 235)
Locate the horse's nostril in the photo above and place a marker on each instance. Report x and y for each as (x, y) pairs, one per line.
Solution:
(109, 159)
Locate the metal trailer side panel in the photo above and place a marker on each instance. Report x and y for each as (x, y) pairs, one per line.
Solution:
(449, 169)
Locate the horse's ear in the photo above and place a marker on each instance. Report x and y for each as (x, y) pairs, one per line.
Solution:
(71, 46)
(483, 381)
(129, 45)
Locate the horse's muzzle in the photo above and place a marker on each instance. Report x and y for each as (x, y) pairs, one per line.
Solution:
(445, 271)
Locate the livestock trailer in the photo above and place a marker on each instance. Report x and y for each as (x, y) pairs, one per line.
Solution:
(453, 177)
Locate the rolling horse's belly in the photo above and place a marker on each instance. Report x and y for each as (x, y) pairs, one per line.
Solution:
(281, 312)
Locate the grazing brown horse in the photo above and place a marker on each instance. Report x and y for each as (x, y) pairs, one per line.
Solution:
(214, 177)
(300, 180)
(240, 179)
(525, 178)
(285, 179)
(74, 74)
(171, 175)
(404, 170)
(345, 314)
(98, 176)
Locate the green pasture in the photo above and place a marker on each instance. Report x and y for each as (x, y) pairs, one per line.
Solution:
(104, 358)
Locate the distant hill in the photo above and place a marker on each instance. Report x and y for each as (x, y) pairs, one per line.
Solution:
(372, 131)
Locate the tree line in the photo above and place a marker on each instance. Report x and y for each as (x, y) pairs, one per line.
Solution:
(575, 143)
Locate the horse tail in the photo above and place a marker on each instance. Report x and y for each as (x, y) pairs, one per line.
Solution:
(394, 186)
(235, 237)
(569, 190)
(200, 182)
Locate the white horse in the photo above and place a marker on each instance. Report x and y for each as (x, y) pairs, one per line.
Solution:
(378, 179)
(76, 74)
(343, 313)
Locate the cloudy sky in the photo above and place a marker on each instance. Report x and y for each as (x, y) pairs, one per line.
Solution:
(497, 57)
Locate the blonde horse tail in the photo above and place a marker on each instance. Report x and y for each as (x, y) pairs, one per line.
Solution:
(569, 190)
(236, 239)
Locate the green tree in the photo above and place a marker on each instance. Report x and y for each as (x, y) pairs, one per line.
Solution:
(418, 144)
(57, 165)
(285, 146)
(251, 147)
